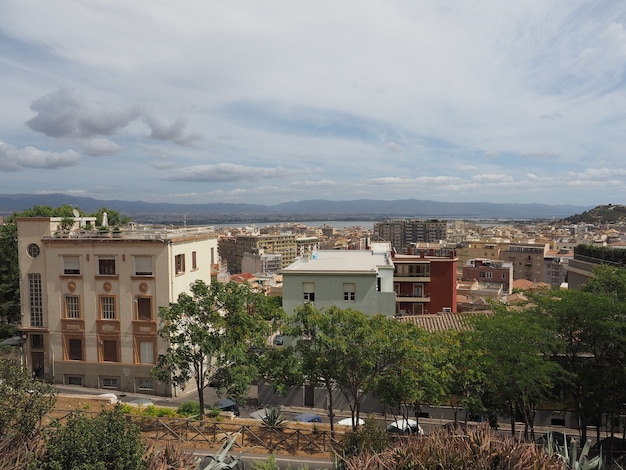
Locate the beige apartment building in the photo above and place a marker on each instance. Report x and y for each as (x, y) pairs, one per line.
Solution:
(232, 249)
(527, 260)
(90, 298)
(469, 250)
(403, 233)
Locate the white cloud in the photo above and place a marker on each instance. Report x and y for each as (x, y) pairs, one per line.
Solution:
(98, 147)
(493, 178)
(227, 172)
(403, 99)
(65, 113)
(14, 159)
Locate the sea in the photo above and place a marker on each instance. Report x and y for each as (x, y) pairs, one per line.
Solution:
(338, 224)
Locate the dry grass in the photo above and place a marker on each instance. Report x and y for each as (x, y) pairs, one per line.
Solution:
(478, 450)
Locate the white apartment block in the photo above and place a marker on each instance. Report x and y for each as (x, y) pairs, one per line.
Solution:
(357, 279)
(90, 299)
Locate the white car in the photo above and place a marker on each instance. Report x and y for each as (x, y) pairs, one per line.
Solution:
(405, 426)
(260, 414)
(348, 422)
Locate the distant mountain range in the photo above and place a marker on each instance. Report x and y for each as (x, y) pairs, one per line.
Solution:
(360, 209)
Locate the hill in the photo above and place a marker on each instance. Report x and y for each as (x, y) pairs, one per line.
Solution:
(361, 209)
(607, 214)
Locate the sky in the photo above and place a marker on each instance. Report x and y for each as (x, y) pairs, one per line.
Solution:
(200, 101)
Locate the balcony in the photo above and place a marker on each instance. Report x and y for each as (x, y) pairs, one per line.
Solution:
(412, 298)
(423, 277)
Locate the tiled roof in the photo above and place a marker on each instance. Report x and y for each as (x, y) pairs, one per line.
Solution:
(524, 284)
(441, 321)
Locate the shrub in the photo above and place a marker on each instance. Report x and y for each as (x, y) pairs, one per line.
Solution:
(126, 408)
(107, 440)
(158, 411)
(213, 412)
(369, 437)
(189, 408)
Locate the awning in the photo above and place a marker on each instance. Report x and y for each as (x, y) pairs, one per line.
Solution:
(13, 341)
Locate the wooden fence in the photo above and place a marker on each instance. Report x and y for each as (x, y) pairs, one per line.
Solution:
(291, 438)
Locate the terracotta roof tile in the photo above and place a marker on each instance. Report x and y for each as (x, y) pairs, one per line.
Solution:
(441, 321)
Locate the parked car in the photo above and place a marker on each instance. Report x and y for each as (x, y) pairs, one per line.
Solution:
(308, 418)
(348, 422)
(227, 404)
(405, 426)
(260, 414)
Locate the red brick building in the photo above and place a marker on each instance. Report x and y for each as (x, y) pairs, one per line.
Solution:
(424, 282)
(489, 271)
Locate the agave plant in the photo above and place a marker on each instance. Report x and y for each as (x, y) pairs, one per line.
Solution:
(273, 418)
(576, 461)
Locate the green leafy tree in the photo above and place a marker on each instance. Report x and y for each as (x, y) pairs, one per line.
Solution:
(215, 334)
(9, 276)
(590, 343)
(315, 350)
(106, 441)
(114, 218)
(607, 280)
(466, 378)
(517, 363)
(359, 346)
(413, 369)
(281, 367)
(338, 349)
(24, 401)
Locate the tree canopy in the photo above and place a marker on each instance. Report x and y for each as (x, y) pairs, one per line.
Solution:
(24, 401)
(215, 335)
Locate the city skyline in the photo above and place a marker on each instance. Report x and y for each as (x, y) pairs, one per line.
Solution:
(200, 102)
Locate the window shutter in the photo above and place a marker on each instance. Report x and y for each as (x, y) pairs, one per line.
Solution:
(143, 265)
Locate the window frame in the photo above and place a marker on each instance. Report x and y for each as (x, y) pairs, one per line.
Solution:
(145, 380)
(418, 290)
(143, 356)
(37, 341)
(33, 250)
(71, 348)
(113, 385)
(104, 265)
(71, 268)
(76, 380)
(308, 291)
(179, 263)
(143, 261)
(104, 299)
(349, 292)
(108, 346)
(35, 299)
(139, 299)
(76, 306)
